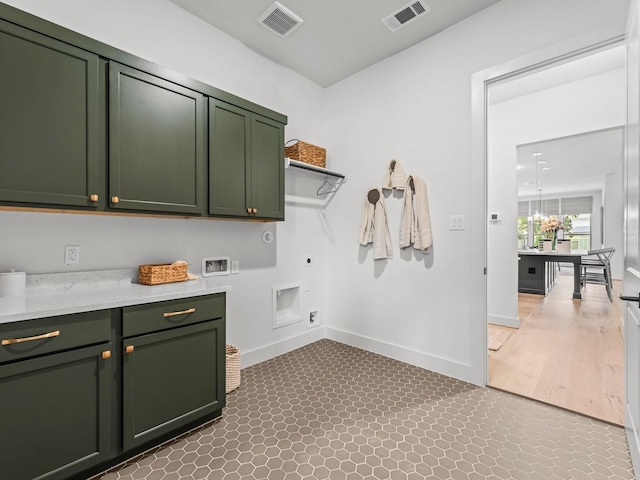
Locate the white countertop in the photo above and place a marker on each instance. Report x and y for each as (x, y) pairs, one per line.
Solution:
(64, 293)
(573, 253)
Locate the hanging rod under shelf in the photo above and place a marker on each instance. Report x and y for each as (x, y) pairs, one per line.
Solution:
(305, 166)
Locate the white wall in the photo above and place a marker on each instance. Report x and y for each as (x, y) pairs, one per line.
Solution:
(415, 107)
(590, 104)
(614, 219)
(159, 31)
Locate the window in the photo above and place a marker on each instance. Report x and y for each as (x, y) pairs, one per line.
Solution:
(580, 232)
(577, 223)
(523, 233)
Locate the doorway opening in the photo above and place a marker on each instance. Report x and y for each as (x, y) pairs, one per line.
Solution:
(549, 346)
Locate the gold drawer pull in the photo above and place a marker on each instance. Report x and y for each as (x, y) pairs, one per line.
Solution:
(12, 341)
(129, 349)
(255, 210)
(94, 198)
(115, 200)
(248, 210)
(106, 354)
(182, 312)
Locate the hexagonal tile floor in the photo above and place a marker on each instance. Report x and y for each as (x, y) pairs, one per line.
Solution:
(331, 411)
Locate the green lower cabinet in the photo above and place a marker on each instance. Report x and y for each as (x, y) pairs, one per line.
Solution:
(170, 379)
(55, 413)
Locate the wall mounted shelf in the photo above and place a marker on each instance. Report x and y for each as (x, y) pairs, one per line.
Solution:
(288, 162)
(305, 166)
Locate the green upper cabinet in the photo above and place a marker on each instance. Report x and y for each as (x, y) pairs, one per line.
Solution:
(229, 151)
(156, 144)
(49, 129)
(86, 126)
(267, 167)
(246, 163)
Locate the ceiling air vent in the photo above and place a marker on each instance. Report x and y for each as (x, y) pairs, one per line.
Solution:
(280, 20)
(410, 12)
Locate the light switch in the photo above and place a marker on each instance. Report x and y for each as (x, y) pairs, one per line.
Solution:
(456, 222)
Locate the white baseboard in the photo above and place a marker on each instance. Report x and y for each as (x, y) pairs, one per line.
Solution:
(251, 357)
(413, 357)
(513, 322)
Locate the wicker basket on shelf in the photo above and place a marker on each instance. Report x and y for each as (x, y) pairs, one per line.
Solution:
(162, 273)
(307, 153)
(233, 368)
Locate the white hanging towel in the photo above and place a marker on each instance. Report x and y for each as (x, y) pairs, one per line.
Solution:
(394, 178)
(374, 227)
(415, 223)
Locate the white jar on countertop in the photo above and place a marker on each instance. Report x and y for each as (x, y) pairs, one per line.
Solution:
(12, 283)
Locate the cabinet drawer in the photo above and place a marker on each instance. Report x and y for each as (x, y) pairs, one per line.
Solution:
(26, 339)
(140, 319)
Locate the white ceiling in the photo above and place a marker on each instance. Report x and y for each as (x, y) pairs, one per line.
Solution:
(577, 163)
(556, 75)
(338, 37)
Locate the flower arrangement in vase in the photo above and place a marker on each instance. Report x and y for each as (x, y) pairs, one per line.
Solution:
(551, 226)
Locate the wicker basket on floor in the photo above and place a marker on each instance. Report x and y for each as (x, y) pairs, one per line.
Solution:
(307, 153)
(162, 273)
(233, 368)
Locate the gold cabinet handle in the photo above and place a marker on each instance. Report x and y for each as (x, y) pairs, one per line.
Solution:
(248, 210)
(182, 312)
(129, 349)
(115, 200)
(94, 198)
(12, 341)
(255, 210)
(106, 354)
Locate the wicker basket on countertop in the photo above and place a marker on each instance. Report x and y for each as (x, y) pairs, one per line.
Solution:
(233, 368)
(162, 273)
(307, 153)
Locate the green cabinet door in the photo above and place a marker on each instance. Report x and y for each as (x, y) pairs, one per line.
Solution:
(229, 156)
(246, 163)
(49, 129)
(156, 144)
(267, 167)
(55, 414)
(170, 379)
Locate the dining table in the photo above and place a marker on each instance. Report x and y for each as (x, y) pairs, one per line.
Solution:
(574, 257)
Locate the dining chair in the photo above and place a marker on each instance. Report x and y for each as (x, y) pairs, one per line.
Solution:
(596, 268)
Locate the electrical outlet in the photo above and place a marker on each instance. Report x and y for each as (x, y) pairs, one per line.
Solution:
(71, 254)
(235, 266)
(314, 319)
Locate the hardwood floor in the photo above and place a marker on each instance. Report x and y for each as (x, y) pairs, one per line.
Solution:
(566, 352)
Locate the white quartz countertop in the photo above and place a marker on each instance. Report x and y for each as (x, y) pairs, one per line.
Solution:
(540, 252)
(65, 293)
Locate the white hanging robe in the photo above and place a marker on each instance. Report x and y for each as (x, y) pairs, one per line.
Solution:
(374, 228)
